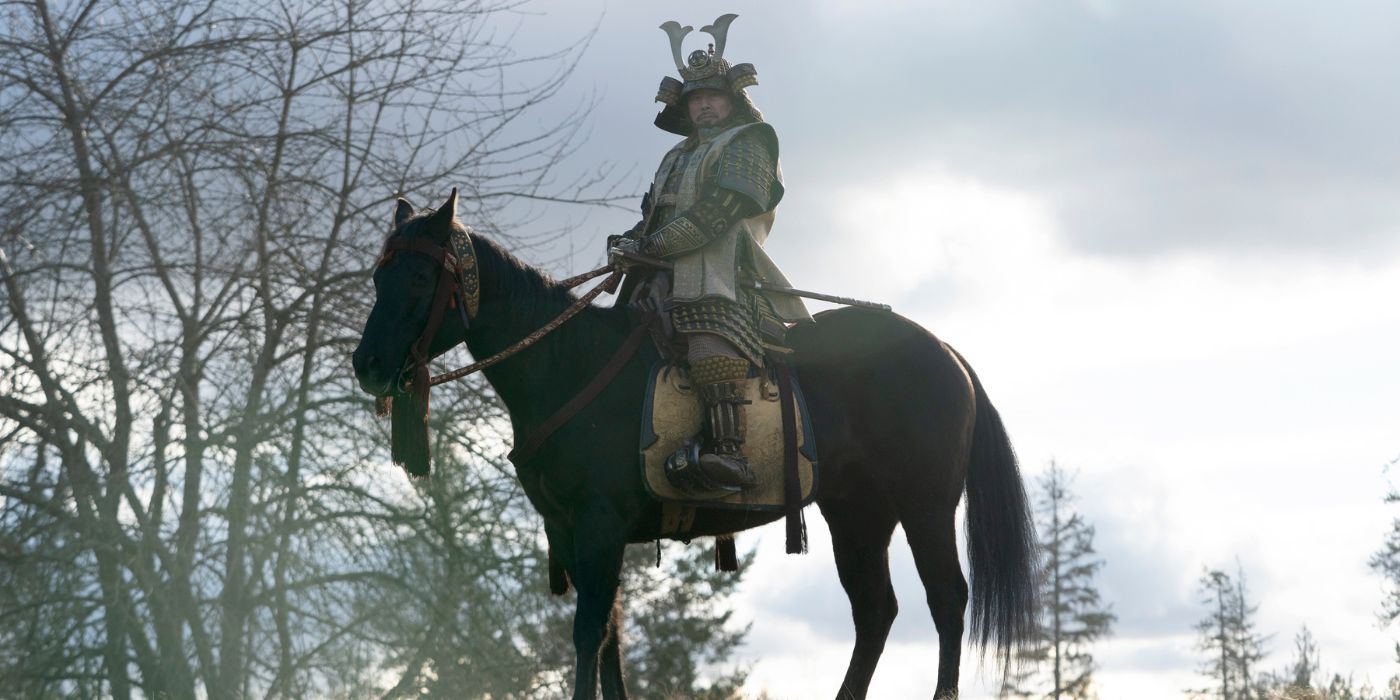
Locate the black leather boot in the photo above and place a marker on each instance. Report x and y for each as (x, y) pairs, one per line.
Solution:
(725, 412)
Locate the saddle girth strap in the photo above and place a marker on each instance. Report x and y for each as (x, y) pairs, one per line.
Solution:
(792, 487)
(522, 453)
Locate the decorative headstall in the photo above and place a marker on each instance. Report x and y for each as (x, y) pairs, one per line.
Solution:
(464, 280)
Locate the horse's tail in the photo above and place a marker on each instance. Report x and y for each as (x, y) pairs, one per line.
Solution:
(1001, 539)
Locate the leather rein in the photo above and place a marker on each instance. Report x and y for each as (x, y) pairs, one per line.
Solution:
(459, 285)
(608, 285)
(452, 290)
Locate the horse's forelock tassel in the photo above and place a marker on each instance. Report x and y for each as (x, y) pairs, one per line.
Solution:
(409, 426)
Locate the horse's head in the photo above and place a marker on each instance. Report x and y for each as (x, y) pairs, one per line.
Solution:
(426, 291)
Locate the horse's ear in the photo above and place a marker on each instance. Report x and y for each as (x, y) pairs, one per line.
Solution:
(450, 206)
(403, 211)
(442, 220)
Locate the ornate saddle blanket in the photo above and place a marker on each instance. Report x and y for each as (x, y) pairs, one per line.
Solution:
(672, 414)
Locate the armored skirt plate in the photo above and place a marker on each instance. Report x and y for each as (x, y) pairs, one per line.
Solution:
(672, 414)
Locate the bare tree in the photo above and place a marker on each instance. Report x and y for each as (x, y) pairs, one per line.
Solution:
(194, 497)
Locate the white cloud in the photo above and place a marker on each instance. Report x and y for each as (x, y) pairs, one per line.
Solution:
(1165, 237)
(939, 226)
(1218, 406)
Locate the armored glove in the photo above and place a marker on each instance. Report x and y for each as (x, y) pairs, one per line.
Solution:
(619, 247)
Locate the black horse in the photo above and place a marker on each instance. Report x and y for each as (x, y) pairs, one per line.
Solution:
(902, 427)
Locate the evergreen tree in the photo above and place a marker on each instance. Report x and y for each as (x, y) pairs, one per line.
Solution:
(1394, 685)
(679, 636)
(1386, 562)
(1072, 614)
(1249, 644)
(1229, 638)
(1305, 663)
(1303, 678)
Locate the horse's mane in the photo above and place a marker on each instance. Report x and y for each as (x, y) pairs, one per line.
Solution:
(527, 299)
(531, 291)
(505, 276)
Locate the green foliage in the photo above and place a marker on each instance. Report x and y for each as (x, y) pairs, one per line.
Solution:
(680, 635)
(473, 617)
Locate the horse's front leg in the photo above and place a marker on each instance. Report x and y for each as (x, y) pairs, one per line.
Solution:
(610, 663)
(598, 545)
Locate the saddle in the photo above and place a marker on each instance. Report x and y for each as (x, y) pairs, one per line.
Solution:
(672, 414)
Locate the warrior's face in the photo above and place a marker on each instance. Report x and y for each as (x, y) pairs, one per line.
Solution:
(708, 107)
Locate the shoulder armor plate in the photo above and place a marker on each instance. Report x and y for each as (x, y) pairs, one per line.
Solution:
(748, 166)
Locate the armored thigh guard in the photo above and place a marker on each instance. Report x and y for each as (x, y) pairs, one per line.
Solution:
(724, 318)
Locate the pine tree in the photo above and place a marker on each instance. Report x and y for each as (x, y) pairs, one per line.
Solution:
(1215, 637)
(1072, 616)
(1229, 638)
(1303, 678)
(1305, 663)
(681, 635)
(1394, 685)
(1249, 644)
(1386, 562)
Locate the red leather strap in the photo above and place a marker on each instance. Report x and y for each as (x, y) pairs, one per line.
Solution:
(441, 297)
(523, 452)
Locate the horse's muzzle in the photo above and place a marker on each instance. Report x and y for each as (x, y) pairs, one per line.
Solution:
(372, 374)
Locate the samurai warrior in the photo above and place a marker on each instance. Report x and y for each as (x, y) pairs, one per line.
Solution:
(708, 212)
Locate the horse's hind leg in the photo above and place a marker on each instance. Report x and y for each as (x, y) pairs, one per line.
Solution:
(932, 537)
(860, 536)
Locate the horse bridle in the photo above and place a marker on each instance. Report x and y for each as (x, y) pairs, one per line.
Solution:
(462, 287)
(458, 284)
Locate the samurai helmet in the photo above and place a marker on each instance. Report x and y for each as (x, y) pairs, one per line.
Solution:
(703, 69)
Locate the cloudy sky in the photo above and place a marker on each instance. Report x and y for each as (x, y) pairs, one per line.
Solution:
(1167, 235)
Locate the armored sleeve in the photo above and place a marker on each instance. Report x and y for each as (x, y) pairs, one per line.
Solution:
(744, 183)
(711, 216)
